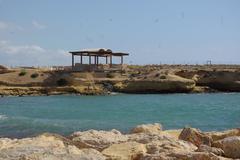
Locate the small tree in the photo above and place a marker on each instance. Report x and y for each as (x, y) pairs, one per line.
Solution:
(22, 73)
(34, 75)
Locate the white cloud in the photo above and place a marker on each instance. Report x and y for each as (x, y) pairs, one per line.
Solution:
(32, 55)
(37, 25)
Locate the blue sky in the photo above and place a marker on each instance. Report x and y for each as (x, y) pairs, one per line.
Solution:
(158, 31)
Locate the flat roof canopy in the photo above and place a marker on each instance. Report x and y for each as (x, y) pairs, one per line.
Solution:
(98, 52)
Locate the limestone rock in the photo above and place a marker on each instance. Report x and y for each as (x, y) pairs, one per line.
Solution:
(167, 146)
(205, 148)
(174, 133)
(44, 147)
(230, 146)
(196, 156)
(195, 136)
(147, 138)
(125, 151)
(97, 139)
(147, 128)
(224, 134)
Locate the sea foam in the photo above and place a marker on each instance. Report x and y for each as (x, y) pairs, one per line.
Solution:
(3, 117)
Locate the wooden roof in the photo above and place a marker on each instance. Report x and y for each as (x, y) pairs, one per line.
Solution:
(98, 52)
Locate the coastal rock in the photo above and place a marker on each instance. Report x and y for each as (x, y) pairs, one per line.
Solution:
(147, 128)
(97, 139)
(163, 84)
(147, 138)
(125, 151)
(195, 136)
(205, 148)
(174, 133)
(44, 147)
(169, 146)
(196, 156)
(224, 134)
(230, 146)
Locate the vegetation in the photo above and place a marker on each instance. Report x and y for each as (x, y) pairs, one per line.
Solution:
(22, 73)
(34, 75)
(62, 82)
(163, 77)
(110, 75)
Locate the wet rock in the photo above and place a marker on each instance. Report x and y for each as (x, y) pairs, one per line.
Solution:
(125, 151)
(147, 128)
(195, 136)
(44, 147)
(97, 139)
(230, 146)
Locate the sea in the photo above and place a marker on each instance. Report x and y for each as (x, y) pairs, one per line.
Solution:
(63, 114)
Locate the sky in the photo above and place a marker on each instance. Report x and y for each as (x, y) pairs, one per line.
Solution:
(41, 32)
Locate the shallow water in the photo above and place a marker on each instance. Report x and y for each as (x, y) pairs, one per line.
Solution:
(28, 116)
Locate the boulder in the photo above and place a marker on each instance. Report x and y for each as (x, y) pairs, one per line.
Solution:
(224, 134)
(97, 139)
(125, 151)
(196, 156)
(230, 146)
(174, 133)
(169, 146)
(205, 148)
(147, 128)
(44, 147)
(195, 136)
(147, 138)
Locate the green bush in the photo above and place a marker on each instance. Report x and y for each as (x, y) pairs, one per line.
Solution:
(22, 73)
(163, 77)
(62, 82)
(34, 75)
(110, 75)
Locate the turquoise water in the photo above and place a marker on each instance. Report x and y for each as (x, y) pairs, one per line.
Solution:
(27, 116)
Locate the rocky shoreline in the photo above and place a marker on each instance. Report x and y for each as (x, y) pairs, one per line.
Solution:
(144, 142)
(135, 79)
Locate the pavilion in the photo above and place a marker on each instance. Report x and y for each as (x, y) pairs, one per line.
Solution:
(93, 59)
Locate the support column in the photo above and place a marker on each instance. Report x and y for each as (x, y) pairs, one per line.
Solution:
(95, 60)
(72, 61)
(89, 60)
(110, 60)
(81, 59)
(106, 59)
(121, 60)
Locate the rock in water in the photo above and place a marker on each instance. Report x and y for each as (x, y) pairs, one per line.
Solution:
(230, 146)
(195, 136)
(97, 139)
(147, 128)
(44, 147)
(125, 151)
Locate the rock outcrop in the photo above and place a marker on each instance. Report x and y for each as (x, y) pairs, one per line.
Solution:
(147, 142)
(147, 128)
(43, 147)
(221, 135)
(170, 84)
(195, 136)
(230, 146)
(97, 139)
(125, 151)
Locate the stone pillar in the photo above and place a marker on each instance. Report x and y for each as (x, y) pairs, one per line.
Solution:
(72, 61)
